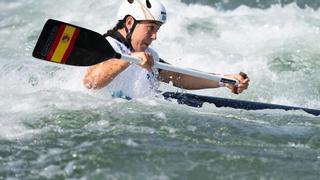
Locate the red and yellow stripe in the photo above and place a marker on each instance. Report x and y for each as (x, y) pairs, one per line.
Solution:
(63, 44)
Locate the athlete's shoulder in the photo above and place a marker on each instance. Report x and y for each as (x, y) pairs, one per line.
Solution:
(117, 45)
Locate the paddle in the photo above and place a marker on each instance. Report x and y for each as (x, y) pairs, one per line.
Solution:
(65, 43)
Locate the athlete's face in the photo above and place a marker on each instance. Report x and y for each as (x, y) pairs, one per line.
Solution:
(144, 33)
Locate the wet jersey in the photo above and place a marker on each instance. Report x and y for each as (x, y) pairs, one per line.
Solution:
(133, 81)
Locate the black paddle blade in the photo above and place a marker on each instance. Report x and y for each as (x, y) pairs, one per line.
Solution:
(197, 101)
(69, 44)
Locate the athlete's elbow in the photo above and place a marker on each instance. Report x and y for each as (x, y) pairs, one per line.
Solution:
(91, 83)
(88, 83)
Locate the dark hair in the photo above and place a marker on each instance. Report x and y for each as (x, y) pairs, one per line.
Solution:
(112, 31)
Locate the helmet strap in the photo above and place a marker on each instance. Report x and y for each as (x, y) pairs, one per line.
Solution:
(129, 34)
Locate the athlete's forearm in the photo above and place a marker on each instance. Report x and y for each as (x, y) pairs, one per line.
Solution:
(102, 74)
(186, 81)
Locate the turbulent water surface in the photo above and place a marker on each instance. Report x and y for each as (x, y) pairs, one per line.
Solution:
(232, 4)
(51, 127)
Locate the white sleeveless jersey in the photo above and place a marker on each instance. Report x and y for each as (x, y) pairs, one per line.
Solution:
(134, 81)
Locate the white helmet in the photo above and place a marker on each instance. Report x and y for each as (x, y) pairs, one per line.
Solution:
(143, 10)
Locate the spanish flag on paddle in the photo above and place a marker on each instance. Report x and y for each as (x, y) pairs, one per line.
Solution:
(64, 43)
